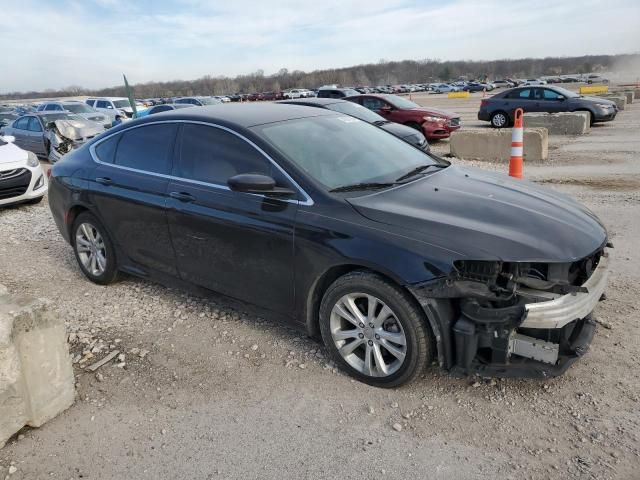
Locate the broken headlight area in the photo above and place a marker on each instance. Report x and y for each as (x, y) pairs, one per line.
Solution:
(517, 318)
(66, 135)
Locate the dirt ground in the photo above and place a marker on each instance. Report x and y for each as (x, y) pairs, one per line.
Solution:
(224, 394)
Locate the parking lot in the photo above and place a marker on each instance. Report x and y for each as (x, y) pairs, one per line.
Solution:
(208, 390)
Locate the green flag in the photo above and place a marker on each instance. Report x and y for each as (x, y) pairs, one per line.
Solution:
(132, 100)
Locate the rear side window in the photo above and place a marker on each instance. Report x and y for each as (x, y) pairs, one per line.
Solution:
(102, 104)
(106, 151)
(213, 155)
(521, 94)
(90, 102)
(21, 123)
(147, 148)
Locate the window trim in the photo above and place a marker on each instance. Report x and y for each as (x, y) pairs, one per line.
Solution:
(307, 199)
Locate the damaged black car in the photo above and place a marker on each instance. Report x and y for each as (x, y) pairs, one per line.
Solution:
(392, 256)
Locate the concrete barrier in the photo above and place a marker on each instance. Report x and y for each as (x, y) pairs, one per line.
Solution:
(574, 123)
(36, 377)
(619, 100)
(495, 144)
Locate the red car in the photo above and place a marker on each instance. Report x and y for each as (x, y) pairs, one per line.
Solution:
(433, 123)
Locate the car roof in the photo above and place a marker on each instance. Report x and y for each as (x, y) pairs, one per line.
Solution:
(243, 116)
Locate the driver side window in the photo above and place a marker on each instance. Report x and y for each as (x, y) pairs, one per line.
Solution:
(212, 155)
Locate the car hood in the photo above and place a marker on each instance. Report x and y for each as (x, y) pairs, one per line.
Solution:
(597, 100)
(487, 216)
(11, 154)
(76, 130)
(434, 111)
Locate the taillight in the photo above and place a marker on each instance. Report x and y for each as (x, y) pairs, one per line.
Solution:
(483, 103)
(49, 172)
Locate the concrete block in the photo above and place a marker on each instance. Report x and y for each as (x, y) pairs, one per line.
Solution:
(36, 376)
(619, 100)
(495, 144)
(574, 123)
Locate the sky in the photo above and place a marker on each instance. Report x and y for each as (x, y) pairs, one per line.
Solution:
(90, 43)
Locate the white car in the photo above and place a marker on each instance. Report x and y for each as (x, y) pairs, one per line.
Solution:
(294, 93)
(444, 88)
(117, 108)
(22, 179)
(534, 81)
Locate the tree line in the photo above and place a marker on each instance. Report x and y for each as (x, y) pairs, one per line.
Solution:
(382, 73)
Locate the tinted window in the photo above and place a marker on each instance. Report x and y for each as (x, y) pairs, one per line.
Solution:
(21, 123)
(105, 151)
(34, 125)
(213, 155)
(147, 148)
(551, 95)
(160, 108)
(90, 102)
(102, 104)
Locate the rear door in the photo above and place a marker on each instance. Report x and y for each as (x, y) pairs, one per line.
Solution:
(20, 131)
(238, 244)
(129, 191)
(517, 99)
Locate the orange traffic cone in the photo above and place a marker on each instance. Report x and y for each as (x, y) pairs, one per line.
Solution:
(517, 145)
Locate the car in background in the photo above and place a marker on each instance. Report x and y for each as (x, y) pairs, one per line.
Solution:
(51, 134)
(533, 82)
(295, 93)
(444, 88)
(22, 179)
(118, 109)
(477, 87)
(596, 79)
(499, 109)
(393, 257)
(408, 134)
(197, 101)
(336, 92)
(7, 117)
(435, 124)
(503, 84)
(271, 96)
(165, 107)
(77, 107)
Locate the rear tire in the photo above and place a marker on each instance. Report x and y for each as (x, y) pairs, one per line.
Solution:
(500, 120)
(374, 330)
(94, 250)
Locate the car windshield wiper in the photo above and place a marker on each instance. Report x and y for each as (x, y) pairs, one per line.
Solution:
(420, 169)
(362, 186)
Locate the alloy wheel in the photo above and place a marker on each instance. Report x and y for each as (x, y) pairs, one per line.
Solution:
(91, 249)
(368, 335)
(499, 120)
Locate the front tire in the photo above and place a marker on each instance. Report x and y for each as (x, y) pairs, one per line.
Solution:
(499, 120)
(93, 249)
(374, 330)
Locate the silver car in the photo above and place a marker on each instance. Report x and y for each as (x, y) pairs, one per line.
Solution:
(79, 108)
(50, 135)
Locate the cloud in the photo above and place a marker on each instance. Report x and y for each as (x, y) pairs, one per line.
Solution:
(91, 43)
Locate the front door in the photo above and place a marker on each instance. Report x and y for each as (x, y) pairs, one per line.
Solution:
(238, 244)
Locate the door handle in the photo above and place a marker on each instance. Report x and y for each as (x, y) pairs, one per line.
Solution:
(183, 197)
(104, 181)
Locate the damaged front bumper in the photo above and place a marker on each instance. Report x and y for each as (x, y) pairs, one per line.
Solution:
(540, 335)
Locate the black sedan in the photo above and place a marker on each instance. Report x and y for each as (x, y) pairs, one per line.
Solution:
(408, 134)
(392, 257)
(499, 109)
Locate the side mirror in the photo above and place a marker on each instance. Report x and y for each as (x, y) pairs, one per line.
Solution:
(257, 183)
(561, 99)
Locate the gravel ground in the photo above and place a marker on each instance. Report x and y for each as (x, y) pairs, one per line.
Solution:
(204, 390)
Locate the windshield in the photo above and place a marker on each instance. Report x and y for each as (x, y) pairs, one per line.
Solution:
(337, 150)
(121, 103)
(208, 101)
(78, 108)
(565, 92)
(400, 102)
(355, 110)
(52, 117)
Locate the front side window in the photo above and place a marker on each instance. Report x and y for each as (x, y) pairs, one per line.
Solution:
(356, 110)
(373, 103)
(337, 150)
(212, 155)
(551, 95)
(147, 148)
(34, 125)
